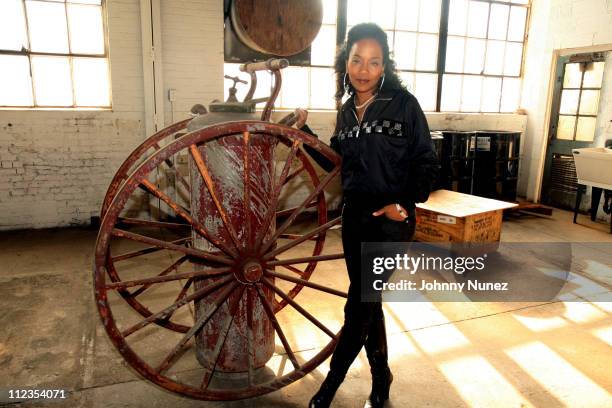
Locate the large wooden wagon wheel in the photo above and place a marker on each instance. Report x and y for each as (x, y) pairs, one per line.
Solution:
(230, 275)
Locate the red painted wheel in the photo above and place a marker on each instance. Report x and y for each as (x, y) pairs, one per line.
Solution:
(239, 276)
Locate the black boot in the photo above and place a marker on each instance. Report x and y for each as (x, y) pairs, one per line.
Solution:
(381, 383)
(376, 349)
(325, 395)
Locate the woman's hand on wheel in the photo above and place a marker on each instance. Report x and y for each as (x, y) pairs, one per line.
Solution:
(394, 212)
(302, 115)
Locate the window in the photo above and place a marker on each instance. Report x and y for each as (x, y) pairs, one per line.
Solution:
(453, 55)
(579, 101)
(484, 52)
(412, 28)
(53, 53)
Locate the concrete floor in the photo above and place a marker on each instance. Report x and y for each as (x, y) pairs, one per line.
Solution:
(541, 354)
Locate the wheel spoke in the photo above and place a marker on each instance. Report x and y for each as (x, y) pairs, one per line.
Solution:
(303, 238)
(306, 259)
(250, 339)
(180, 211)
(304, 282)
(146, 285)
(180, 296)
(299, 308)
(299, 209)
(199, 161)
(145, 251)
(203, 274)
(170, 309)
(227, 323)
(279, 331)
(265, 226)
(293, 269)
(288, 211)
(247, 188)
(294, 174)
(169, 245)
(155, 224)
(202, 320)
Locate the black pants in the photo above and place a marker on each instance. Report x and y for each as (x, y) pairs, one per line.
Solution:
(364, 322)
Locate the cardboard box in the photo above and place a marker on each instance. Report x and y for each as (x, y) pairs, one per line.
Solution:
(449, 216)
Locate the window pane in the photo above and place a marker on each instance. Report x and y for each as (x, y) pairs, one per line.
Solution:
(91, 84)
(565, 127)
(451, 93)
(474, 55)
(457, 17)
(491, 94)
(511, 92)
(86, 29)
(358, 11)
(295, 96)
(406, 16)
(264, 86)
(520, 1)
(572, 76)
(585, 131)
(589, 102)
(323, 88)
(498, 21)
(405, 49)
(324, 46)
(426, 90)
(98, 2)
(429, 16)
(383, 13)
(495, 57)
(52, 84)
(330, 10)
(454, 54)
(569, 101)
(477, 19)
(47, 24)
(408, 80)
(15, 81)
(514, 54)
(470, 96)
(427, 52)
(593, 75)
(12, 25)
(516, 26)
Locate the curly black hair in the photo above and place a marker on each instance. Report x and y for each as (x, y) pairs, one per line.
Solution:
(357, 33)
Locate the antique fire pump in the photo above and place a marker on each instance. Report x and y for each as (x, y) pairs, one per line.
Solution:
(208, 269)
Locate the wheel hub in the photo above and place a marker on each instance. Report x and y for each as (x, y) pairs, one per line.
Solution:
(252, 271)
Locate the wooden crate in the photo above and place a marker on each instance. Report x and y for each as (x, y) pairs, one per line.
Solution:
(449, 216)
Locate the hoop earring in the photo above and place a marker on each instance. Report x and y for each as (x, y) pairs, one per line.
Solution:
(347, 88)
(381, 82)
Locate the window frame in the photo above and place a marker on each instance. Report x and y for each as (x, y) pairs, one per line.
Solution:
(70, 55)
(580, 90)
(341, 30)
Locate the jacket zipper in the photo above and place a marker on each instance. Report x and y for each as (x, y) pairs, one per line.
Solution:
(364, 113)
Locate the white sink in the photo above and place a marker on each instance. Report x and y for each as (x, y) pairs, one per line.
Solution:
(594, 166)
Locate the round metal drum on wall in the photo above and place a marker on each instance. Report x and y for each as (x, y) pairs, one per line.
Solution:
(278, 27)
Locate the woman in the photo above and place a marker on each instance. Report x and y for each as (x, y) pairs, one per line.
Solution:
(388, 164)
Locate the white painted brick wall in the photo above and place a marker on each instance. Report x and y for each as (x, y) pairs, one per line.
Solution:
(55, 166)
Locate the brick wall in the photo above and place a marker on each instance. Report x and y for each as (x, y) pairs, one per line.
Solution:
(55, 166)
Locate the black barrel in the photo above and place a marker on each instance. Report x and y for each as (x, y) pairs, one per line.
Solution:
(457, 161)
(496, 164)
(437, 141)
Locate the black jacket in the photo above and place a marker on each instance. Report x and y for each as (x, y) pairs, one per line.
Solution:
(388, 156)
